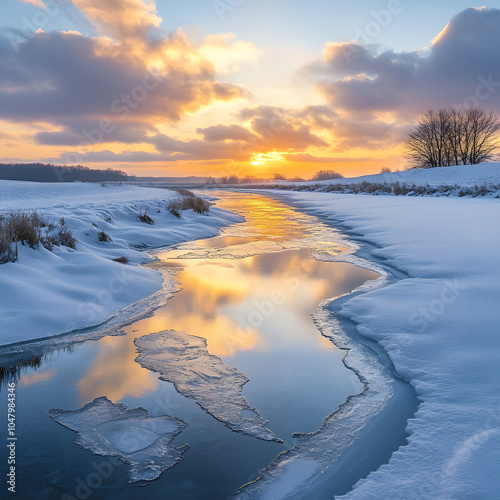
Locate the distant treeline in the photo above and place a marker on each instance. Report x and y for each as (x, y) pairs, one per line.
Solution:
(41, 172)
(322, 175)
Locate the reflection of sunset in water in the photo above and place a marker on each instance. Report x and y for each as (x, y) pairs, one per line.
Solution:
(37, 377)
(242, 291)
(197, 309)
(267, 217)
(115, 373)
(250, 292)
(228, 305)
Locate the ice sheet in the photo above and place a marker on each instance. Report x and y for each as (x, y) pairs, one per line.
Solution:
(134, 436)
(184, 360)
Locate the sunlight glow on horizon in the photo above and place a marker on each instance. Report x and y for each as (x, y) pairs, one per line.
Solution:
(227, 100)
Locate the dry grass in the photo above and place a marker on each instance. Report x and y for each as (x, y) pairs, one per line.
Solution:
(189, 201)
(391, 188)
(31, 229)
(185, 192)
(103, 237)
(121, 260)
(145, 218)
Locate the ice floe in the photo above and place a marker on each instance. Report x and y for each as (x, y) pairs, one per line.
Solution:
(184, 360)
(134, 436)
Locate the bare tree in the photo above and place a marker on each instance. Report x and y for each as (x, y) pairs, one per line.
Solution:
(424, 144)
(324, 175)
(457, 138)
(451, 137)
(483, 131)
(279, 177)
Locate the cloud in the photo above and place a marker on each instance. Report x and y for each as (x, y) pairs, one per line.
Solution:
(308, 158)
(352, 132)
(107, 156)
(125, 85)
(267, 129)
(227, 53)
(461, 66)
(54, 75)
(114, 88)
(79, 86)
(81, 131)
(281, 129)
(125, 20)
(168, 149)
(37, 3)
(321, 117)
(196, 149)
(6, 135)
(225, 133)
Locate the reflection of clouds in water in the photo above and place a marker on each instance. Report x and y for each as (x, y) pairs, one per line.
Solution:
(222, 334)
(265, 217)
(36, 378)
(232, 306)
(115, 373)
(198, 308)
(217, 264)
(226, 241)
(219, 295)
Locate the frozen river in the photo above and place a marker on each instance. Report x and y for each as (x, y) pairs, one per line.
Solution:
(236, 359)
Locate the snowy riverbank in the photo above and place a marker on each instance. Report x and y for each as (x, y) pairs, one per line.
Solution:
(463, 181)
(461, 175)
(440, 328)
(48, 293)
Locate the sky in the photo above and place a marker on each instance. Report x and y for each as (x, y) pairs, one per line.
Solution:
(236, 87)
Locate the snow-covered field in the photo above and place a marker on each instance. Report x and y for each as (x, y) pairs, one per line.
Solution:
(440, 326)
(48, 293)
(463, 180)
(462, 175)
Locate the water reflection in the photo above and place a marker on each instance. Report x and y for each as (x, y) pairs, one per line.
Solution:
(231, 305)
(250, 292)
(266, 218)
(114, 372)
(226, 241)
(27, 371)
(12, 374)
(246, 296)
(37, 378)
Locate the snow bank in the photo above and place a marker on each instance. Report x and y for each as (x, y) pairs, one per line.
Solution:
(440, 328)
(184, 360)
(37, 195)
(461, 175)
(134, 436)
(49, 293)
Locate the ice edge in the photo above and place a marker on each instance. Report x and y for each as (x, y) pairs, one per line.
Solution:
(180, 358)
(342, 427)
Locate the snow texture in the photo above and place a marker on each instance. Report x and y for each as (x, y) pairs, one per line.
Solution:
(45, 293)
(184, 360)
(440, 328)
(134, 436)
(461, 175)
